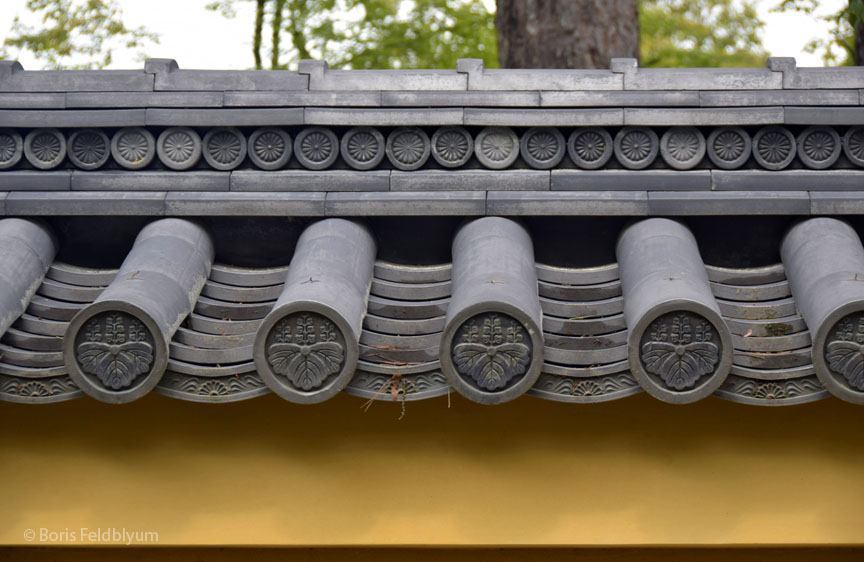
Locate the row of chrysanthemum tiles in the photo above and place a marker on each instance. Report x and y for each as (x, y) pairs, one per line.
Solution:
(410, 148)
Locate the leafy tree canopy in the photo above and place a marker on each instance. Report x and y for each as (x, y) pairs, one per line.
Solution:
(707, 33)
(74, 34)
(371, 33)
(845, 24)
(434, 33)
(419, 33)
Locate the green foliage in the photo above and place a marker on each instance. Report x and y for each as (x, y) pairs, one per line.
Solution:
(707, 33)
(78, 30)
(374, 33)
(433, 34)
(419, 33)
(839, 48)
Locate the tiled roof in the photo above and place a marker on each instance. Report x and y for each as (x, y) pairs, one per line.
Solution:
(493, 325)
(190, 148)
(468, 141)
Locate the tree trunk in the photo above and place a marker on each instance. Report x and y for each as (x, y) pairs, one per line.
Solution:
(566, 33)
(256, 38)
(277, 34)
(859, 44)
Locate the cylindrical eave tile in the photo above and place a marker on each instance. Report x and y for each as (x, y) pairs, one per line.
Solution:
(27, 249)
(680, 349)
(116, 349)
(492, 345)
(824, 263)
(307, 347)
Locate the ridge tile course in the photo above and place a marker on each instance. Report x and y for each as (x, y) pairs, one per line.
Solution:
(480, 78)
(168, 76)
(86, 203)
(383, 116)
(117, 180)
(824, 116)
(543, 117)
(563, 121)
(33, 100)
(321, 77)
(72, 118)
(308, 180)
(836, 203)
(415, 203)
(34, 180)
(813, 181)
(302, 98)
(13, 78)
(225, 117)
(702, 117)
(618, 99)
(777, 97)
(564, 203)
(470, 180)
(285, 204)
(469, 98)
(701, 79)
(695, 203)
(143, 99)
(627, 180)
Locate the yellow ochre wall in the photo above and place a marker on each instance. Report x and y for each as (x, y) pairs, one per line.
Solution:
(532, 472)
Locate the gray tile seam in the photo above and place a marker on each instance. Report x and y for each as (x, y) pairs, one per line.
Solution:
(164, 205)
(151, 76)
(376, 93)
(703, 93)
(755, 192)
(118, 195)
(221, 94)
(403, 108)
(714, 177)
(789, 196)
(231, 188)
(178, 110)
(163, 196)
(821, 198)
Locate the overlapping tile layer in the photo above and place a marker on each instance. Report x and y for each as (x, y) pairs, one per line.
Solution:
(481, 326)
(489, 146)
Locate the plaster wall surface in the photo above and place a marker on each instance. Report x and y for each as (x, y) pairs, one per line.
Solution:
(531, 472)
